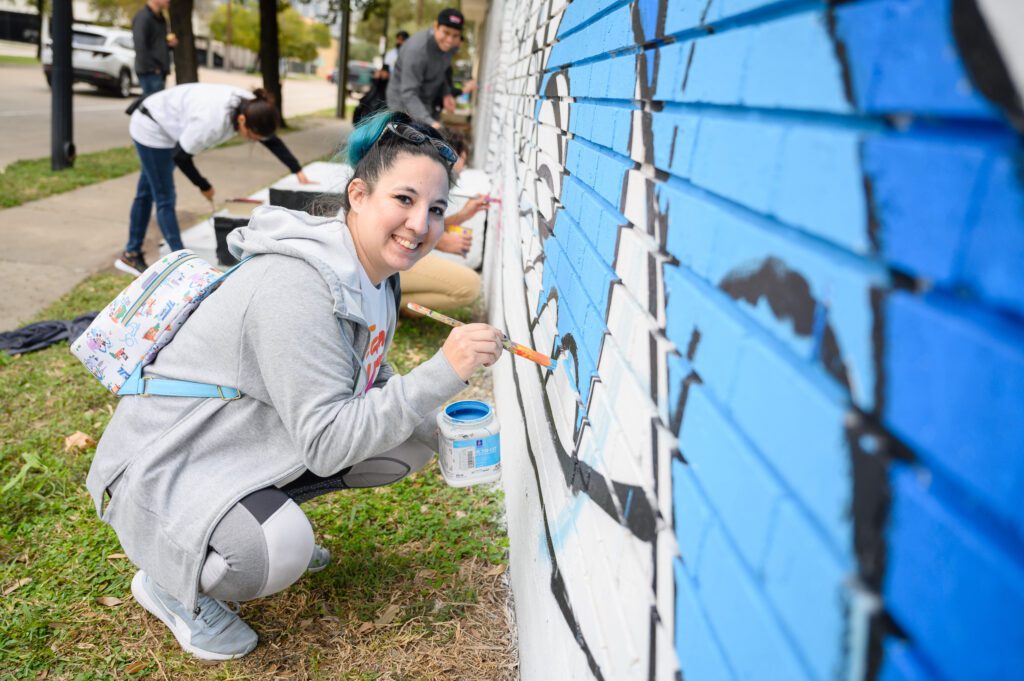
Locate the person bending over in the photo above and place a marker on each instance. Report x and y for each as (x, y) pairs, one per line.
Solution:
(171, 126)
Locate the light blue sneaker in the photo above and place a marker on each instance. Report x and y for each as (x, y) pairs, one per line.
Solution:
(320, 559)
(218, 633)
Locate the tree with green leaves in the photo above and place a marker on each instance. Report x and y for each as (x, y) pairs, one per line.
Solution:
(297, 38)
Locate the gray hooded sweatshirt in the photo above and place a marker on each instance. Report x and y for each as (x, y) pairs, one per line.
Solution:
(288, 331)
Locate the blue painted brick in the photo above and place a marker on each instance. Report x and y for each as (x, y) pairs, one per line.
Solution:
(674, 136)
(621, 77)
(700, 655)
(820, 185)
(737, 159)
(940, 357)
(800, 430)
(750, 632)
(792, 64)
(805, 582)
(903, 57)
(994, 260)
(722, 334)
(719, 242)
(922, 223)
(951, 584)
(692, 516)
(717, 453)
(899, 663)
(581, 12)
(681, 15)
(716, 72)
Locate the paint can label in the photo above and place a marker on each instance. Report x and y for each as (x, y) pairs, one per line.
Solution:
(471, 461)
(480, 453)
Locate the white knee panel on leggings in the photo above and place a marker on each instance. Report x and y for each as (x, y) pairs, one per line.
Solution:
(289, 538)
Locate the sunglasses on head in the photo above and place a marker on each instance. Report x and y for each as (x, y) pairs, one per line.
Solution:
(411, 134)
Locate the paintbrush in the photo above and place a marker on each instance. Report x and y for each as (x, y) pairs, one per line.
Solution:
(514, 348)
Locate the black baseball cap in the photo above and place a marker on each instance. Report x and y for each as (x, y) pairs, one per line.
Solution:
(452, 18)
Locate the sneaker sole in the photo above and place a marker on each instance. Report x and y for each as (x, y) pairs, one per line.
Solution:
(152, 607)
(126, 268)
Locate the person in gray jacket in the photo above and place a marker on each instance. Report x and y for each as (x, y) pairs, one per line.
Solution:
(203, 493)
(418, 78)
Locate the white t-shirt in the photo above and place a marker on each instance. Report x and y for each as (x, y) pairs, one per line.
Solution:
(377, 304)
(195, 115)
(390, 57)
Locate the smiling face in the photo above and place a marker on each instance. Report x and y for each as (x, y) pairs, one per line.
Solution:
(401, 219)
(447, 38)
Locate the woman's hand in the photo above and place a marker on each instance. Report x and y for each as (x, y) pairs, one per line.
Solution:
(453, 242)
(208, 193)
(471, 208)
(301, 177)
(471, 346)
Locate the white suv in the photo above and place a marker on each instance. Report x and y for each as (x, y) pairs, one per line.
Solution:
(104, 57)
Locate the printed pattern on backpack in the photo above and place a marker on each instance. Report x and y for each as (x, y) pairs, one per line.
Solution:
(144, 317)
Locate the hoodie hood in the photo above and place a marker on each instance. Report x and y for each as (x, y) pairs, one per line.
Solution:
(324, 243)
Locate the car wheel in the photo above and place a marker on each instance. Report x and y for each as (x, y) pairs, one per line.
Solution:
(124, 83)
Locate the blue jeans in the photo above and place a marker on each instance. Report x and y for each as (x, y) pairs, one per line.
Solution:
(152, 82)
(155, 182)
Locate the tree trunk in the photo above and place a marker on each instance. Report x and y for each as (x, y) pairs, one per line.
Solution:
(41, 6)
(270, 53)
(186, 66)
(345, 18)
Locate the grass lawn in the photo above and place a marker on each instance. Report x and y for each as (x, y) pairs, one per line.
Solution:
(24, 181)
(17, 59)
(415, 590)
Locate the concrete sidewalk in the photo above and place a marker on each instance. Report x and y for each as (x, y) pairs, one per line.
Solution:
(48, 246)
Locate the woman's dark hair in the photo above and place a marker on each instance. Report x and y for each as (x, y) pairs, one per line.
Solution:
(371, 151)
(260, 113)
(457, 141)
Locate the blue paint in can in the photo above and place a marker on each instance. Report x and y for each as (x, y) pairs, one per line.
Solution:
(469, 445)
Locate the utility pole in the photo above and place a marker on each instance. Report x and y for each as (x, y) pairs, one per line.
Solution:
(343, 21)
(227, 40)
(62, 146)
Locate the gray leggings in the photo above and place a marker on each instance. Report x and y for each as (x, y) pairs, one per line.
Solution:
(265, 542)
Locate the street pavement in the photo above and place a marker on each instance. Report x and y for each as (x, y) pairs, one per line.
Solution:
(48, 246)
(99, 119)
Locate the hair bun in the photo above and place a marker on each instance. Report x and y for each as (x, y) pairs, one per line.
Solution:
(262, 95)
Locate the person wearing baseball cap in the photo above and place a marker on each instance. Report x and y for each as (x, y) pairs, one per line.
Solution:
(418, 78)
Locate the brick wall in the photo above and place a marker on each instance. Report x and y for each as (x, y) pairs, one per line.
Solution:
(778, 251)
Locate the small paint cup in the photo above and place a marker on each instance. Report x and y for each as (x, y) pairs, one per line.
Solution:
(469, 444)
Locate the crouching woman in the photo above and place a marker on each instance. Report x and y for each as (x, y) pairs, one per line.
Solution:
(204, 493)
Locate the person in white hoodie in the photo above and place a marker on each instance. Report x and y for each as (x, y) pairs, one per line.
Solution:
(204, 493)
(171, 126)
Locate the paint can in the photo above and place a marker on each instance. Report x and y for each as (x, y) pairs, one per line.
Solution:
(469, 444)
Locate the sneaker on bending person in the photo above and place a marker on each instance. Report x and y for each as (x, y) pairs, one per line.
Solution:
(217, 633)
(320, 559)
(132, 263)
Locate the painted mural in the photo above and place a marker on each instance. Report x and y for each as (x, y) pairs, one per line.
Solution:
(778, 250)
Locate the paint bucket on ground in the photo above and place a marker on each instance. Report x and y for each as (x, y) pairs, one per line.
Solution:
(469, 446)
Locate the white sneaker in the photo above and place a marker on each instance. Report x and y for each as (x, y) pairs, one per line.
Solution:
(217, 633)
(320, 559)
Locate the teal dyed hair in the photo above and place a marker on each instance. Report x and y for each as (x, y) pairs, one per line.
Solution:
(371, 151)
(365, 134)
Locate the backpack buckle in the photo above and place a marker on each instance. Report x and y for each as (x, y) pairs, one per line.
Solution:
(145, 387)
(238, 394)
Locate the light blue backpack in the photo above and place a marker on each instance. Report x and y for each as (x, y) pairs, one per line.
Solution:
(130, 331)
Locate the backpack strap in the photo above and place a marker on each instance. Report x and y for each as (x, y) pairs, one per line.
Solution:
(145, 386)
